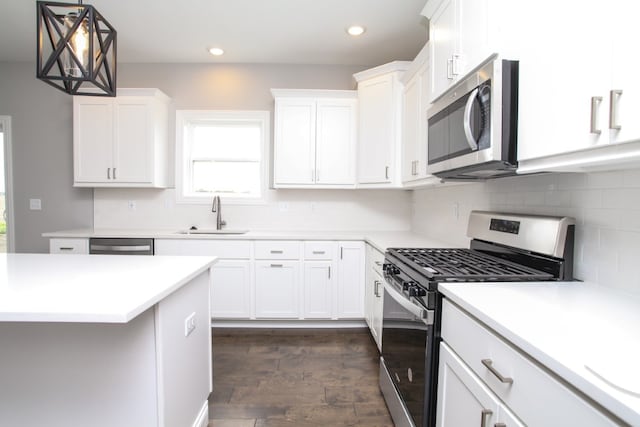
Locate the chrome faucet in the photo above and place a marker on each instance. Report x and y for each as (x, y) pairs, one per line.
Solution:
(216, 207)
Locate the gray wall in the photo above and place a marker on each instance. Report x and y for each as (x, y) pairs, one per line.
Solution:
(42, 126)
(41, 120)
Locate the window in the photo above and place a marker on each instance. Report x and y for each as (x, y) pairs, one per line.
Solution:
(221, 153)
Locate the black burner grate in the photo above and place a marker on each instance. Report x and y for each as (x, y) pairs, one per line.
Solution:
(465, 264)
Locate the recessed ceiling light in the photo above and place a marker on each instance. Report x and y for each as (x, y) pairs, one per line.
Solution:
(355, 30)
(216, 51)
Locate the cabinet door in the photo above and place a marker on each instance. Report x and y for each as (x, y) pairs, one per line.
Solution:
(411, 127)
(336, 141)
(133, 140)
(319, 279)
(295, 133)
(625, 68)
(276, 289)
(462, 398)
(376, 130)
(351, 281)
(443, 37)
(472, 29)
(93, 135)
(231, 289)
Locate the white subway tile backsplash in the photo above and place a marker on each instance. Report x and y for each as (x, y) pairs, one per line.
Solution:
(606, 206)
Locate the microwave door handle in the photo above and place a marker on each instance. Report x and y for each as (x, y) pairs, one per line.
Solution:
(467, 120)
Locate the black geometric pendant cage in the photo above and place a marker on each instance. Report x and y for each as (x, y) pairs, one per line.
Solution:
(76, 49)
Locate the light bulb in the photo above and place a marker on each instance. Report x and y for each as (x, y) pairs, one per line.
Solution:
(79, 46)
(355, 30)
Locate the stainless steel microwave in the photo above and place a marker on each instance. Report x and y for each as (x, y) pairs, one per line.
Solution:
(472, 128)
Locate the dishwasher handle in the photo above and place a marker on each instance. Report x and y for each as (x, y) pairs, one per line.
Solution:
(121, 246)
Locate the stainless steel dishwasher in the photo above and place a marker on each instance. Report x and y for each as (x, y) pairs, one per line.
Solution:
(121, 246)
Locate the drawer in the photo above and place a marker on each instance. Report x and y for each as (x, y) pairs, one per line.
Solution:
(226, 249)
(69, 246)
(532, 387)
(277, 249)
(320, 250)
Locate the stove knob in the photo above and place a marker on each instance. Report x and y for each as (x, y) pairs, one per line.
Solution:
(406, 286)
(417, 291)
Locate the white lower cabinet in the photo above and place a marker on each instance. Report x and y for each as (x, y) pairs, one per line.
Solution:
(231, 278)
(68, 246)
(463, 400)
(351, 281)
(276, 289)
(373, 293)
(319, 279)
(230, 289)
(478, 368)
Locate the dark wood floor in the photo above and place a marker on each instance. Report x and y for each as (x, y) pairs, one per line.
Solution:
(274, 378)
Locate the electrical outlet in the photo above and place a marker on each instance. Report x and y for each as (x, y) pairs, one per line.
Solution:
(35, 204)
(189, 324)
(283, 206)
(132, 205)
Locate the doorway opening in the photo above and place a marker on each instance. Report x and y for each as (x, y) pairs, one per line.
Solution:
(7, 243)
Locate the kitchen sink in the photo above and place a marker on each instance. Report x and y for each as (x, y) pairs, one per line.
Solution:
(211, 231)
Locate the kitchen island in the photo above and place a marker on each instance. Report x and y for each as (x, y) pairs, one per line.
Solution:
(104, 340)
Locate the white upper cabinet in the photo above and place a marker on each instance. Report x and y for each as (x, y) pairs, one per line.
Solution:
(416, 101)
(121, 141)
(380, 123)
(315, 138)
(460, 35)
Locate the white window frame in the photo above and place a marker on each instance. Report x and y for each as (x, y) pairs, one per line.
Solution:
(184, 117)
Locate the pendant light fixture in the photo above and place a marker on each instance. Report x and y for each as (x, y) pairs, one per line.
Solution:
(76, 49)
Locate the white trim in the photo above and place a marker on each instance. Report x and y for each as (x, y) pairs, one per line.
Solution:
(5, 124)
(185, 116)
(293, 324)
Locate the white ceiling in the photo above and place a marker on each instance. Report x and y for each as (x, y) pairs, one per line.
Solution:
(250, 31)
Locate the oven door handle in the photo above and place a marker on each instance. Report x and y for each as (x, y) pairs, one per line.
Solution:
(427, 316)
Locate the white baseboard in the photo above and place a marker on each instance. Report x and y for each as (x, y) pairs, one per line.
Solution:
(302, 324)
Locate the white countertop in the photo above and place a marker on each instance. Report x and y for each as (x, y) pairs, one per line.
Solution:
(379, 239)
(89, 288)
(572, 328)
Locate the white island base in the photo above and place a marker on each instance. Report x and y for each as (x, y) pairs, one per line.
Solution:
(148, 371)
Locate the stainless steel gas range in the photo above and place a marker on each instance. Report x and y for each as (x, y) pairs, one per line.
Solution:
(503, 248)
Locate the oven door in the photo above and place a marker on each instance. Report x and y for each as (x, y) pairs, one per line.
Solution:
(407, 356)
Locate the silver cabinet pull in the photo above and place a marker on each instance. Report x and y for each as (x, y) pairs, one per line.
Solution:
(276, 265)
(340, 252)
(450, 68)
(613, 109)
(65, 248)
(318, 252)
(378, 263)
(329, 268)
(499, 425)
(488, 363)
(386, 172)
(114, 173)
(108, 173)
(484, 415)
(276, 252)
(376, 292)
(595, 104)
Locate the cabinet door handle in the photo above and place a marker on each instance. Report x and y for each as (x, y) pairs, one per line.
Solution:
(378, 263)
(108, 173)
(417, 163)
(114, 173)
(329, 268)
(450, 68)
(499, 425)
(613, 109)
(386, 172)
(376, 288)
(488, 363)
(484, 415)
(341, 252)
(276, 265)
(65, 248)
(318, 252)
(276, 252)
(595, 103)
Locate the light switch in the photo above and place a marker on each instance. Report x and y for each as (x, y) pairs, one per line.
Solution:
(35, 204)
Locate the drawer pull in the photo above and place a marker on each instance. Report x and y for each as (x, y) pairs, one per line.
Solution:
(483, 417)
(499, 425)
(276, 252)
(488, 363)
(65, 248)
(276, 265)
(378, 263)
(318, 252)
